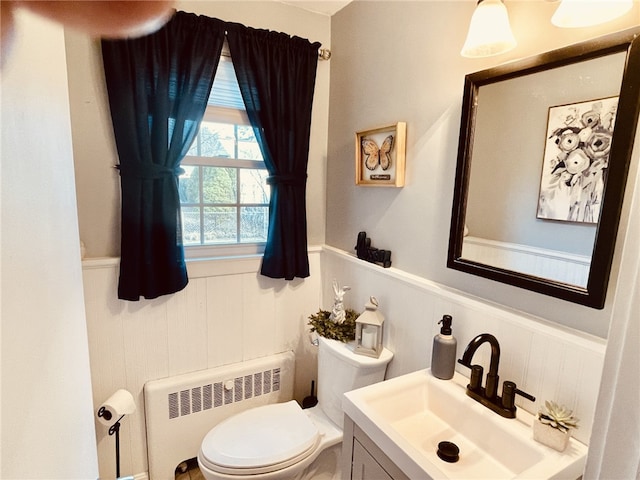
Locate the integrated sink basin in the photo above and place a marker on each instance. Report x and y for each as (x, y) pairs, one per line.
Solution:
(409, 416)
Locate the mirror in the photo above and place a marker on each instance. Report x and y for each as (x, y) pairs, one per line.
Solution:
(544, 151)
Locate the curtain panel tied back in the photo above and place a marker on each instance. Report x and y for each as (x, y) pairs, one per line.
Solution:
(158, 88)
(276, 74)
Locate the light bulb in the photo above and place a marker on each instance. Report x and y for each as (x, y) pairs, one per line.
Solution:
(585, 13)
(489, 32)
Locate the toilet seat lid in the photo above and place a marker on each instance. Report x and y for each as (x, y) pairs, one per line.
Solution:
(260, 437)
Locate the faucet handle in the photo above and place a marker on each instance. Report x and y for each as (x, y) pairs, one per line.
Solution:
(463, 363)
(475, 381)
(526, 395)
(509, 392)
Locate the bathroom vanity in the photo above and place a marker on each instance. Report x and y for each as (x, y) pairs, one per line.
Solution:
(393, 430)
(363, 459)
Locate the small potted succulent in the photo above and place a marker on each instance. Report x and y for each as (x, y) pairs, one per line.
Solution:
(340, 323)
(553, 426)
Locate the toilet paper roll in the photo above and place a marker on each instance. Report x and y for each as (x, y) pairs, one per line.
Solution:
(119, 404)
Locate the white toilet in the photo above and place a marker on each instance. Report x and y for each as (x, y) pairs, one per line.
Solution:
(281, 441)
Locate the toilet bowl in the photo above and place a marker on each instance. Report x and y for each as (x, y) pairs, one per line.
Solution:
(282, 441)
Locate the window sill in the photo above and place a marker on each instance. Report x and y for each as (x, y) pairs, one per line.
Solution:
(196, 267)
(204, 266)
(200, 252)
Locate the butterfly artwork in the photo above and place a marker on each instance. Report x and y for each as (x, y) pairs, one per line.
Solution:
(375, 156)
(380, 156)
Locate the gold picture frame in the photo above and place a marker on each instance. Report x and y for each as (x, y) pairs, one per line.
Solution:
(380, 156)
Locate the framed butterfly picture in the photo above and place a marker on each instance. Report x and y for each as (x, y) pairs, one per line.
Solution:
(380, 156)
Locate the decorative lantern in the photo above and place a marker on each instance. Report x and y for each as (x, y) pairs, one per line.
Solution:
(369, 330)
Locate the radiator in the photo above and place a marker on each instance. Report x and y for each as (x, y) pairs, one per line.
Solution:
(180, 410)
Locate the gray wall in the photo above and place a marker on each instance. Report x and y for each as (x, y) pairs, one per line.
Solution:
(399, 61)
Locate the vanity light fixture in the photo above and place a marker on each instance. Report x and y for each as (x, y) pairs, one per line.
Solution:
(489, 31)
(585, 13)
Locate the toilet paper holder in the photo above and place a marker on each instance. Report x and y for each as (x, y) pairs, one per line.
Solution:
(119, 404)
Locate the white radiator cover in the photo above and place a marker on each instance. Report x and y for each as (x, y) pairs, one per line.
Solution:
(181, 410)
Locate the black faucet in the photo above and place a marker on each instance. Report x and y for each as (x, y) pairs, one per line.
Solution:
(488, 395)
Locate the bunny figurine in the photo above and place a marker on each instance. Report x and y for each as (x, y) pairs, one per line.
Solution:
(337, 313)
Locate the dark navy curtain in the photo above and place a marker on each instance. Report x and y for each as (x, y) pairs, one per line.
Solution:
(276, 74)
(158, 87)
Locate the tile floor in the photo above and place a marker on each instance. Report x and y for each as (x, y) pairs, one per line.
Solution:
(189, 470)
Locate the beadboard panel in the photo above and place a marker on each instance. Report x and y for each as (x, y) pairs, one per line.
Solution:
(550, 362)
(187, 333)
(224, 301)
(259, 318)
(560, 266)
(228, 313)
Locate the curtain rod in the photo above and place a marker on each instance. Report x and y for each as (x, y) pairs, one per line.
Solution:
(323, 54)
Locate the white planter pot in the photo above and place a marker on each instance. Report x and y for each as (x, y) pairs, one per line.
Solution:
(551, 437)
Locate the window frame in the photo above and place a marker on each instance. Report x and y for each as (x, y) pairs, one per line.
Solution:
(232, 116)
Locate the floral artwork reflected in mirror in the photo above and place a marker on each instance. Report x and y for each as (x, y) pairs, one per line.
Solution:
(576, 160)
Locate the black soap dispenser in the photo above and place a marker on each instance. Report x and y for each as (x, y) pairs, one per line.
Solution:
(443, 356)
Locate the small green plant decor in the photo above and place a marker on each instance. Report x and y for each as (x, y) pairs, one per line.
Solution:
(558, 416)
(553, 425)
(322, 323)
(340, 323)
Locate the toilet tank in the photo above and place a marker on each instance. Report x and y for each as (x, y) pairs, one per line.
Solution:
(340, 370)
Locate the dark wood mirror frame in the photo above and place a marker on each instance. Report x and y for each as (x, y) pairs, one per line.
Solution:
(619, 160)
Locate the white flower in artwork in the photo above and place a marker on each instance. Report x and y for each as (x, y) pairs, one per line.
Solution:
(576, 160)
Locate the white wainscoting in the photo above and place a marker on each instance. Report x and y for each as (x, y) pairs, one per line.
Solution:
(229, 313)
(560, 266)
(549, 361)
(226, 314)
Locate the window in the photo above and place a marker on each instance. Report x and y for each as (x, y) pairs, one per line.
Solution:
(224, 196)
